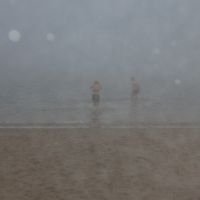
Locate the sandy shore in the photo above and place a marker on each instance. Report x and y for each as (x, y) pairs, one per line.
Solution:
(100, 164)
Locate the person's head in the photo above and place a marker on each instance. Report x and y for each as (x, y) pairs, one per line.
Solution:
(133, 78)
(96, 82)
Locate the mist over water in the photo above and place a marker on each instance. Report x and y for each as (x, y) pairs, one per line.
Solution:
(52, 51)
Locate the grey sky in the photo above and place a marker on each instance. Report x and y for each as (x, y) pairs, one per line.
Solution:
(157, 41)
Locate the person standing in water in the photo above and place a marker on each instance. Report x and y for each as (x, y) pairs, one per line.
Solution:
(96, 88)
(135, 89)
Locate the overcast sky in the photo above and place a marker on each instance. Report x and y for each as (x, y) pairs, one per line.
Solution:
(58, 43)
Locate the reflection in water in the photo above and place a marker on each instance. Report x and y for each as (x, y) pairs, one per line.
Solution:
(134, 101)
(134, 110)
(95, 116)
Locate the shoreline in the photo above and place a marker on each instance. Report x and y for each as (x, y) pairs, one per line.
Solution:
(99, 125)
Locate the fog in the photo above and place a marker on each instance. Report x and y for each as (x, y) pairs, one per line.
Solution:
(52, 51)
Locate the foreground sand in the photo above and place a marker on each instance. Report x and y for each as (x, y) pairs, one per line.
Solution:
(100, 164)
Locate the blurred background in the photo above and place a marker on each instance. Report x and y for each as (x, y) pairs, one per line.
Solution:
(52, 51)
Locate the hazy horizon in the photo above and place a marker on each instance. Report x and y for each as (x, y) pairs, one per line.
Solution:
(52, 51)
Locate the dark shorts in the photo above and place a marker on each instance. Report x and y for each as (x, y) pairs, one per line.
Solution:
(96, 98)
(136, 91)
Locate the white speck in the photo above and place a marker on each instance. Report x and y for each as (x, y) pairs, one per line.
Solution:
(156, 51)
(14, 36)
(173, 43)
(183, 9)
(12, 2)
(50, 37)
(177, 82)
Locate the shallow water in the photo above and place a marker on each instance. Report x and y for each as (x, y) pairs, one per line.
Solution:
(146, 110)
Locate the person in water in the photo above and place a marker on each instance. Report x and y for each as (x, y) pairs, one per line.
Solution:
(135, 89)
(96, 88)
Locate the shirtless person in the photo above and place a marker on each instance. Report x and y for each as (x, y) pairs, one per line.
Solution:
(135, 89)
(96, 88)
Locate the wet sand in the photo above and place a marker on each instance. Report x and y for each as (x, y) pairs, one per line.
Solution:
(100, 164)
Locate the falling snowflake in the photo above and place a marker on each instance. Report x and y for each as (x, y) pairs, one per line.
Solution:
(14, 36)
(156, 51)
(12, 2)
(177, 82)
(50, 37)
(173, 43)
